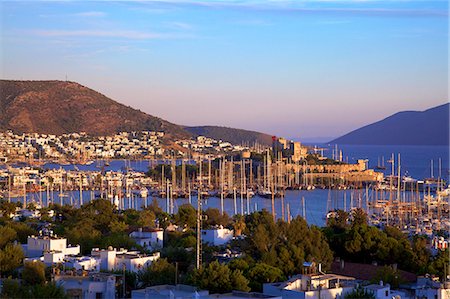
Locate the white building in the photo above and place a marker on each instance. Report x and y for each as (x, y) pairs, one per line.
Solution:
(311, 286)
(150, 239)
(186, 291)
(217, 236)
(381, 291)
(53, 257)
(169, 292)
(426, 287)
(87, 263)
(98, 285)
(111, 259)
(38, 245)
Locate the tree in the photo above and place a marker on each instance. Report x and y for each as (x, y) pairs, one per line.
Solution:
(440, 263)
(388, 275)
(159, 272)
(7, 234)
(262, 273)
(83, 233)
(12, 289)
(186, 216)
(146, 218)
(360, 293)
(118, 226)
(214, 217)
(340, 222)
(10, 258)
(359, 217)
(218, 278)
(7, 208)
(117, 240)
(33, 273)
(23, 231)
(239, 264)
(238, 224)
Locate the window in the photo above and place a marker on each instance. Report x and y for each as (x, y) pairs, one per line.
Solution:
(387, 293)
(98, 295)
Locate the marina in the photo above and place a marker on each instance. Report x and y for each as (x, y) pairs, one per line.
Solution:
(243, 186)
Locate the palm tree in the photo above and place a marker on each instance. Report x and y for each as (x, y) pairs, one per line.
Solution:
(238, 224)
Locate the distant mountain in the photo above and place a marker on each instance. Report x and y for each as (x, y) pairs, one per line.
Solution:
(58, 107)
(429, 127)
(234, 136)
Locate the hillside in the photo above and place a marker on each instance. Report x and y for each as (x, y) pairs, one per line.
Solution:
(59, 107)
(429, 127)
(235, 136)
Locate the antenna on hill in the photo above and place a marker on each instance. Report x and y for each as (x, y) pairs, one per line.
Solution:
(66, 77)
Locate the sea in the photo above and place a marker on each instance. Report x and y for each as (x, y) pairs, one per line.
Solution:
(418, 162)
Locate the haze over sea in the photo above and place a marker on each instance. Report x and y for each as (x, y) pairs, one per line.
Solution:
(415, 160)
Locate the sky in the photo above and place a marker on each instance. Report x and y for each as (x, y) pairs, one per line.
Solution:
(305, 69)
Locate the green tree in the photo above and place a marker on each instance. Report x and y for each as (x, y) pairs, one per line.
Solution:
(239, 264)
(238, 224)
(83, 233)
(218, 278)
(117, 240)
(388, 275)
(7, 234)
(262, 273)
(33, 273)
(117, 226)
(214, 217)
(439, 264)
(159, 272)
(11, 257)
(23, 230)
(7, 208)
(359, 217)
(186, 216)
(146, 218)
(11, 289)
(48, 290)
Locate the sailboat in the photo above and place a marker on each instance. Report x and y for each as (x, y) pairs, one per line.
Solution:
(380, 166)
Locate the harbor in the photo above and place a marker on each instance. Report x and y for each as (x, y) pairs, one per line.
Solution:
(313, 187)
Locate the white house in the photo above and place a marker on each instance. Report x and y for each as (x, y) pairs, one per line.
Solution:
(217, 236)
(169, 291)
(87, 263)
(98, 285)
(111, 259)
(53, 257)
(150, 239)
(311, 286)
(38, 245)
(381, 291)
